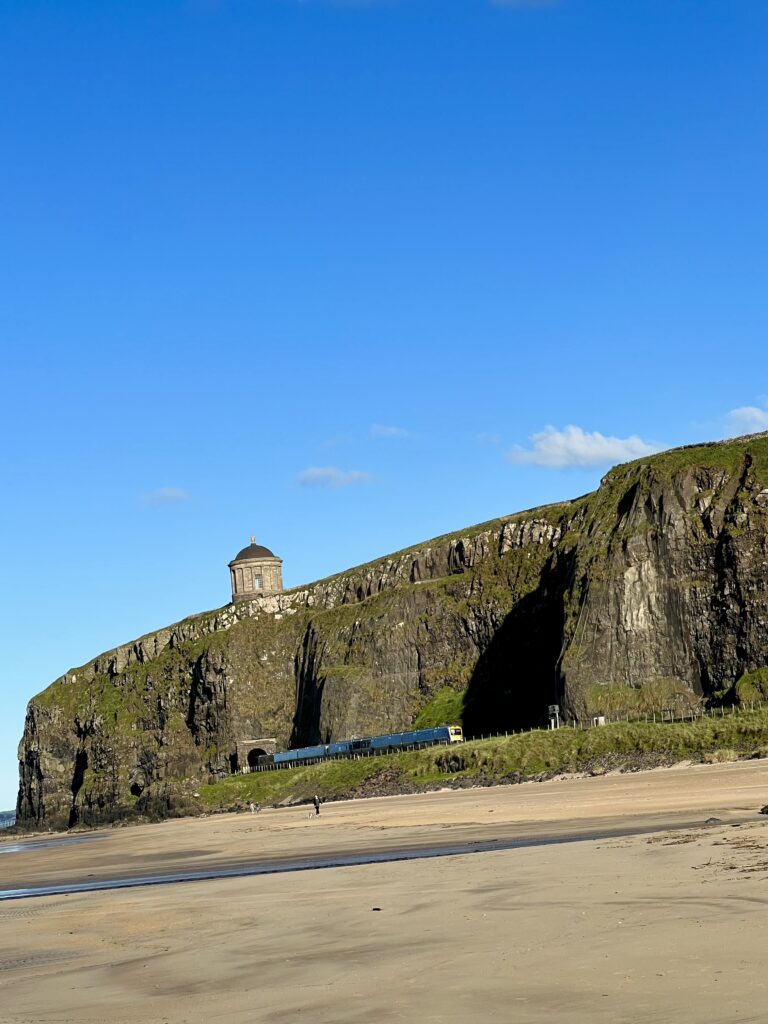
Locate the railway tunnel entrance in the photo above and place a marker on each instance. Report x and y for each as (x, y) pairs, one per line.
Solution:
(251, 749)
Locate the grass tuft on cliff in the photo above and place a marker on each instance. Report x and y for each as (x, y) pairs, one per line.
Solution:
(753, 686)
(445, 708)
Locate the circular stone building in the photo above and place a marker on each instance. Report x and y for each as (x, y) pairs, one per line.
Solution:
(254, 571)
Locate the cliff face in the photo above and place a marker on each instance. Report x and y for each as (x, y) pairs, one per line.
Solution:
(669, 574)
(655, 582)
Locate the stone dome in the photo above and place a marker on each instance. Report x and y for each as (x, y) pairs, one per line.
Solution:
(252, 551)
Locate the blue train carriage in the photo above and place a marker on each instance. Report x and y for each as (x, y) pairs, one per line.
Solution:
(418, 737)
(348, 748)
(300, 754)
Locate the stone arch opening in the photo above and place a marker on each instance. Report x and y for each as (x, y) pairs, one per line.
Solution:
(253, 756)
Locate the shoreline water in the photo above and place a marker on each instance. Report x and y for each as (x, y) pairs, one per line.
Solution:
(654, 927)
(561, 806)
(337, 860)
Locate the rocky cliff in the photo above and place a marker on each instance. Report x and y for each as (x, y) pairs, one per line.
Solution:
(651, 588)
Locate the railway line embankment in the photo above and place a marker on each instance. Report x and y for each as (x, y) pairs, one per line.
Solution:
(537, 755)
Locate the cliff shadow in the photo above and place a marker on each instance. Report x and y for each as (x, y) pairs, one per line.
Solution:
(310, 684)
(78, 777)
(517, 677)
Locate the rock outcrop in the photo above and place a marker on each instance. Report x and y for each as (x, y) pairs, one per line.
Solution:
(653, 584)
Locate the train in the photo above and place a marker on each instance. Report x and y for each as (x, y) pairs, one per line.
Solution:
(363, 747)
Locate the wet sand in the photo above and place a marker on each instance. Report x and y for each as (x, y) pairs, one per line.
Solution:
(671, 926)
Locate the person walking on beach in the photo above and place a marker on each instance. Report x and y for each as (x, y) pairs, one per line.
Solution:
(316, 802)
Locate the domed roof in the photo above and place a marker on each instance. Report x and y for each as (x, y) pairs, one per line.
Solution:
(253, 550)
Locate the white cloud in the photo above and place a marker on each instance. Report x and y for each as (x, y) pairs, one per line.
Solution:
(379, 430)
(748, 419)
(575, 447)
(164, 496)
(331, 476)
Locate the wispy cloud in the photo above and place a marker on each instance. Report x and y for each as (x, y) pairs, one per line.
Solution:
(164, 496)
(747, 419)
(488, 437)
(331, 476)
(379, 430)
(576, 447)
(336, 440)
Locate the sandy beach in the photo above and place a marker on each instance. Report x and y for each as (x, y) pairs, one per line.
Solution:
(656, 927)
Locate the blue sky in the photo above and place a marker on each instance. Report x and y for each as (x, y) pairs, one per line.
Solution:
(349, 275)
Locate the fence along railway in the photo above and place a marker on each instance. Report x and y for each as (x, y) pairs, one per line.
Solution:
(370, 746)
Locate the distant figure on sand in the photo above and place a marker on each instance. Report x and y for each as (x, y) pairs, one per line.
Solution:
(252, 807)
(316, 802)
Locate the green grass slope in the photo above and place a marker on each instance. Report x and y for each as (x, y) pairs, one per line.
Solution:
(531, 755)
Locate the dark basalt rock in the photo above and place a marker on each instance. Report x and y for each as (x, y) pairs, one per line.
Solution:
(659, 575)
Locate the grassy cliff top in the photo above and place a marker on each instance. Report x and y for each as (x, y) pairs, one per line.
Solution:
(727, 455)
(550, 513)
